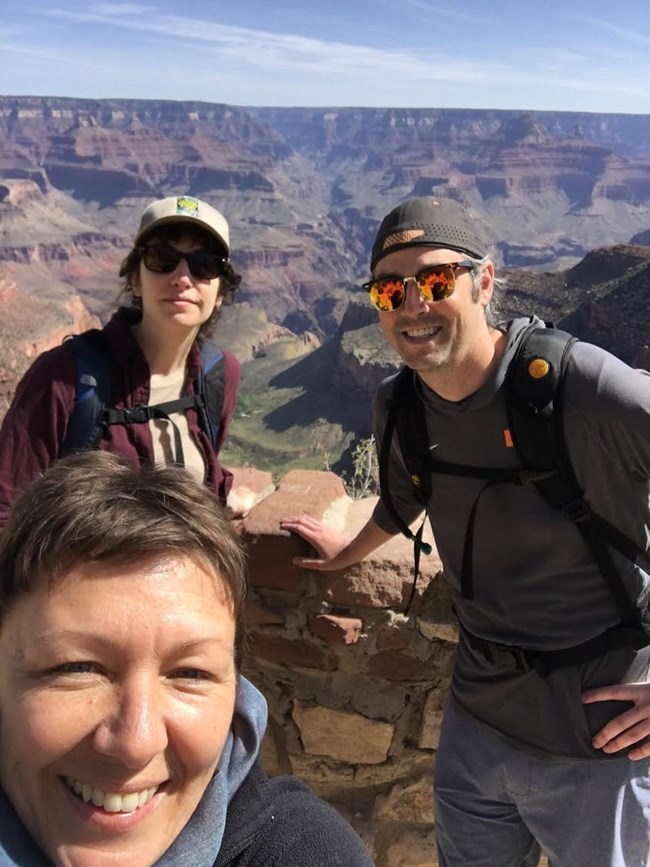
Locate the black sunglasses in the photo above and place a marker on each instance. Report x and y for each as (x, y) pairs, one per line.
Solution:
(163, 259)
(435, 283)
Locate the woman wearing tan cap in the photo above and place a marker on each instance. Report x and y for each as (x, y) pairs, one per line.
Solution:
(150, 385)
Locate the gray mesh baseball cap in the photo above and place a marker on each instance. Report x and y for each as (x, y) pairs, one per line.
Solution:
(178, 209)
(431, 222)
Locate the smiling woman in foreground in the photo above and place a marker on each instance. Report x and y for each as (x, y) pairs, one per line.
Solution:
(127, 734)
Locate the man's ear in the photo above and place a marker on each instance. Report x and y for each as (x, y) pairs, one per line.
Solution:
(487, 283)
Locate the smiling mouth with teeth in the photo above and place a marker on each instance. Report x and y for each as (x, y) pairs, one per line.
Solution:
(430, 331)
(112, 802)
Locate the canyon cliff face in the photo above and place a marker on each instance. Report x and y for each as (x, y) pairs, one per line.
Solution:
(549, 186)
(615, 313)
(30, 326)
(75, 175)
(304, 189)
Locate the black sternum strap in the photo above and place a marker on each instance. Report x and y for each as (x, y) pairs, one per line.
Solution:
(143, 414)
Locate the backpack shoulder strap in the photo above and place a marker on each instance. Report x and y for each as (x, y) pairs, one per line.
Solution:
(210, 388)
(535, 385)
(535, 389)
(92, 391)
(406, 416)
(405, 411)
(412, 435)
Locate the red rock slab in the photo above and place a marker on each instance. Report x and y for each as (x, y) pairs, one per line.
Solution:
(376, 582)
(336, 630)
(347, 737)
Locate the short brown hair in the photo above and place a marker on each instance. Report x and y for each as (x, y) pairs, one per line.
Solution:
(170, 233)
(96, 506)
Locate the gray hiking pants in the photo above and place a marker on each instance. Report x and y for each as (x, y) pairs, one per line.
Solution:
(497, 806)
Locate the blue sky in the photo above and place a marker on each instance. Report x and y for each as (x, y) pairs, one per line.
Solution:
(577, 55)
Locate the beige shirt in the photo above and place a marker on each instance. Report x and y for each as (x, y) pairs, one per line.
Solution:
(165, 387)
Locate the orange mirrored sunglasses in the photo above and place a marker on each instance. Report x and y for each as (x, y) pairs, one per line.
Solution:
(434, 282)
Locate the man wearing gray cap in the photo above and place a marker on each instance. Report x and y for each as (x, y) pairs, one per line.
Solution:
(546, 739)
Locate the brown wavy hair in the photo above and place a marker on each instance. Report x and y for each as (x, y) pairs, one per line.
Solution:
(95, 506)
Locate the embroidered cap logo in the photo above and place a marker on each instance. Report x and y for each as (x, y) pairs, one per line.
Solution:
(186, 206)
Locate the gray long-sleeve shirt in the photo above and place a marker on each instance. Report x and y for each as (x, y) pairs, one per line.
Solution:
(536, 584)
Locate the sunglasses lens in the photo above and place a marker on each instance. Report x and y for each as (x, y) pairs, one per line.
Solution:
(204, 265)
(437, 282)
(160, 259)
(387, 294)
(163, 259)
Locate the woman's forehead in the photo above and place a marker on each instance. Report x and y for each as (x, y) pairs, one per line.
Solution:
(169, 596)
(81, 576)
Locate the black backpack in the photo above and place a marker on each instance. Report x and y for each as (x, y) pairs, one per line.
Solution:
(534, 386)
(93, 413)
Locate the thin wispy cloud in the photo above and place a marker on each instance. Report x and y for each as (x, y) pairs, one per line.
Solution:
(122, 9)
(634, 36)
(432, 11)
(287, 51)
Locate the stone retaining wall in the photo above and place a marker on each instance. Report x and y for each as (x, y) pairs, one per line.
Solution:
(355, 687)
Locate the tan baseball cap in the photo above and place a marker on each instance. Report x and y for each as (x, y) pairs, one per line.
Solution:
(179, 209)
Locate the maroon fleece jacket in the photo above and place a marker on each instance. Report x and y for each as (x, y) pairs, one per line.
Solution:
(35, 425)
